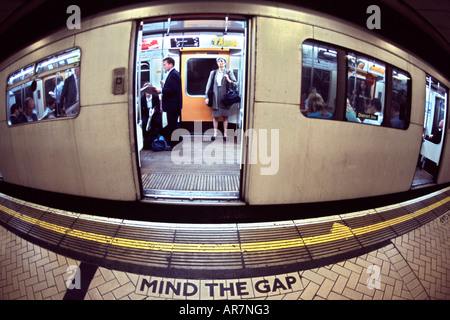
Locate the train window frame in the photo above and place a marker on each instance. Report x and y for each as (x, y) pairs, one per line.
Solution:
(20, 75)
(393, 97)
(145, 70)
(62, 59)
(201, 93)
(311, 91)
(39, 94)
(343, 108)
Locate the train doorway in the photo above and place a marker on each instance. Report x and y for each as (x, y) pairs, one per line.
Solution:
(198, 167)
(433, 134)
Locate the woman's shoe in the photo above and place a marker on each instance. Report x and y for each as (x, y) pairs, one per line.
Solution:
(225, 139)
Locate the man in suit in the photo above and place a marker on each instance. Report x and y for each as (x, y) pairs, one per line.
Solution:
(172, 99)
(69, 94)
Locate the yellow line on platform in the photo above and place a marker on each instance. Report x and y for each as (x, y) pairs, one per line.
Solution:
(338, 232)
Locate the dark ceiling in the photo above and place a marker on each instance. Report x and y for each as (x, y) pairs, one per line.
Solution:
(421, 26)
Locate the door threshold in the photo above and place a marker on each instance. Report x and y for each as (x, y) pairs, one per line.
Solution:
(185, 194)
(422, 184)
(190, 197)
(422, 179)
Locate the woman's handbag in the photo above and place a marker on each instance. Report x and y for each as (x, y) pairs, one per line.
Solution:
(232, 95)
(210, 96)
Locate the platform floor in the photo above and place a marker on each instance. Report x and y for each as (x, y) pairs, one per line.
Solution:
(414, 266)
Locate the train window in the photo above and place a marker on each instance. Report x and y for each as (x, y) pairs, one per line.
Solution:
(194, 25)
(197, 74)
(52, 92)
(436, 101)
(401, 101)
(21, 74)
(16, 102)
(366, 89)
(319, 80)
(145, 73)
(59, 60)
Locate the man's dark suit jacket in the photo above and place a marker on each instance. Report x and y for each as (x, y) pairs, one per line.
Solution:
(172, 99)
(69, 92)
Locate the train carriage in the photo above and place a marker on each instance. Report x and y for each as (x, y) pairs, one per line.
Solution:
(281, 151)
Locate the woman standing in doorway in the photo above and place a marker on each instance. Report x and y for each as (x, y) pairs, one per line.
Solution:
(218, 80)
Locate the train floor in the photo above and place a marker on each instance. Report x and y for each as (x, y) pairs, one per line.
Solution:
(197, 167)
(400, 252)
(422, 178)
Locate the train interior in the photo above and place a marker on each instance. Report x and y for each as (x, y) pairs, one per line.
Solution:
(49, 84)
(433, 134)
(196, 168)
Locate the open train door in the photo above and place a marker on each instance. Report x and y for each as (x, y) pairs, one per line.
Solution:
(433, 134)
(197, 168)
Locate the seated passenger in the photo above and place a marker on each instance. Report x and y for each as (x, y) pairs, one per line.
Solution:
(316, 107)
(396, 122)
(375, 109)
(29, 110)
(313, 90)
(16, 115)
(49, 112)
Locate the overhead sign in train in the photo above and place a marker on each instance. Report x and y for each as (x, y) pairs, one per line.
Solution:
(184, 42)
(204, 41)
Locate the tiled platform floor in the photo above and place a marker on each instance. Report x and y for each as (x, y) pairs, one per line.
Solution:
(415, 266)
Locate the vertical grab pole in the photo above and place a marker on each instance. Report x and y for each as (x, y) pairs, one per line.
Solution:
(163, 42)
(225, 31)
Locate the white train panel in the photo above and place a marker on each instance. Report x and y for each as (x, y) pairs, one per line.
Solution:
(103, 154)
(278, 60)
(322, 160)
(103, 50)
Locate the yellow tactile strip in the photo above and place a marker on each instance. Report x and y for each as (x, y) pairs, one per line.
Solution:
(218, 247)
